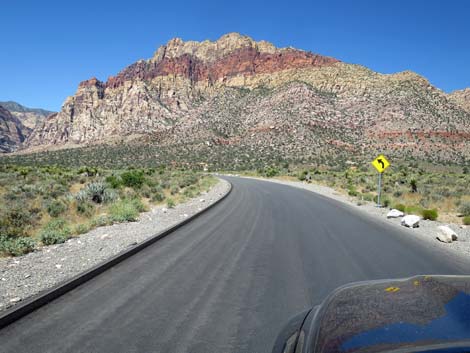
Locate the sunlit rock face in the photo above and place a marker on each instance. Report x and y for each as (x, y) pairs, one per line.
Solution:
(239, 92)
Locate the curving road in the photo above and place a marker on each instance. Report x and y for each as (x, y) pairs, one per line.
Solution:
(229, 280)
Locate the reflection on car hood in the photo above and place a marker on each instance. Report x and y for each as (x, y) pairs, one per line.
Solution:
(399, 315)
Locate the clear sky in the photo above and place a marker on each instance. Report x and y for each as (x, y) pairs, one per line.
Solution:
(48, 47)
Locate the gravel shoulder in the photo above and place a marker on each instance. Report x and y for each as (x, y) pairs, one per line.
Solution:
(426, 232)
(25, 276)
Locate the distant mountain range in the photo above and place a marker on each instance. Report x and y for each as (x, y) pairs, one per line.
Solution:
(241, 101)
(16, 123)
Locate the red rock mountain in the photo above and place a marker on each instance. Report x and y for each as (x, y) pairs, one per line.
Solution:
(236, 98)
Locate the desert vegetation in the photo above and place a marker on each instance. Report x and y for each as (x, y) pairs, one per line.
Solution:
(433, 192)
(49, 204)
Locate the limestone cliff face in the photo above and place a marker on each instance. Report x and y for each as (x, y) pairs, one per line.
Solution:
(29, 117)
(236, 91)
(461, 97)
(151, 95)
(11, 131)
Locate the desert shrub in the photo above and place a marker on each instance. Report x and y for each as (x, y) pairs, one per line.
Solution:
(113, 181)
(187, 180)
(55, 232)
(158, 197)
(85, 208)
(174, 190)
(101, 220)
(190, 191)
(18, 220)
(400, 207)
(386, 202)
(367, 197)
(466, 220)
(302, 175)
(170, 203)
(413, 209)
(125, 211)
(81, 228)
(97, 193)
(352, 191)
(430, 214)
(464, 208)
(56, 207)
(133, 178)
(146, 191)
(16, 246)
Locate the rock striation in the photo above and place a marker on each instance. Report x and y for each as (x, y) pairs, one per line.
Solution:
(239, 94)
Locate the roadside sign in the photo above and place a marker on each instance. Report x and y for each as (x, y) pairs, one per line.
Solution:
(381, 163)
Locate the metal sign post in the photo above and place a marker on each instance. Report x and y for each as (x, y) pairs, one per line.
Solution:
(380, 163)
(379, 190)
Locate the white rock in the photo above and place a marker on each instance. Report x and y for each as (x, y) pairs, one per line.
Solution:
(15, 300)
(411, 221)
(58, 266)
(446, 234)
(185, 215)
(104, 236)
(202, 200)
(395, 214)
(164, 210)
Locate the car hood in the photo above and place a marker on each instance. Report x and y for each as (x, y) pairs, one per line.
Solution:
(410, 315)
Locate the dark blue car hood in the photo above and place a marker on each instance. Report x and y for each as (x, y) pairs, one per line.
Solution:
(425, 313)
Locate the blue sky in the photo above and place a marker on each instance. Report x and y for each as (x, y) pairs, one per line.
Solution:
(48, 47)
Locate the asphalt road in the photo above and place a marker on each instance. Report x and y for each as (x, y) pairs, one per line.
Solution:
(229, 280)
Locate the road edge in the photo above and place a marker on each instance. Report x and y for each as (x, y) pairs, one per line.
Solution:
(461, 259)
(35, 302)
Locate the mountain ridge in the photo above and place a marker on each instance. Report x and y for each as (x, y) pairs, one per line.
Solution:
(175, 94)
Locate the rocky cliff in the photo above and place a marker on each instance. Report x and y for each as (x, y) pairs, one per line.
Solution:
(11, 131)
(30, 117)
(236, 94)
(462, 97)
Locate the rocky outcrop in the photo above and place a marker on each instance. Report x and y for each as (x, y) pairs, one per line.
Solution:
(461, 97)
(11, 131)
(239, 93)
(30, 117)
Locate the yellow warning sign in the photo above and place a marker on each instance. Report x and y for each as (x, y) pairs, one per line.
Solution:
(381, 163)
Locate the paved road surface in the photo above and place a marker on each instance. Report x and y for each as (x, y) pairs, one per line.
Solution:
(228, 281)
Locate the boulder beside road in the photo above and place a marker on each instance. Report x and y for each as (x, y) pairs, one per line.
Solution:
(395, 214)
(446, 234)
(410, 221)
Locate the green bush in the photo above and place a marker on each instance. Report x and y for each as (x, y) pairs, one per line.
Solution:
(412, 209)
(352, 192)
(56, 207)
(81, 228)
(101, 220)
(400, 207)
(170, 203)
(134, 179)
(18, 220)
(16, 246)
(55, 232)
(464, 208)
(429, 214)
(466, 220)
(125, 210)
(85, 208)
(158, 197)
(113, 181)
(386, 202)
